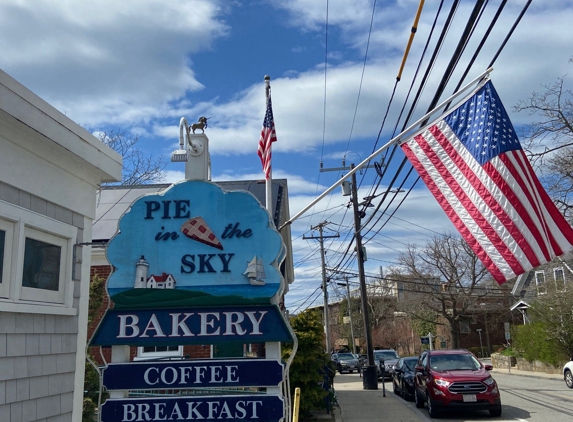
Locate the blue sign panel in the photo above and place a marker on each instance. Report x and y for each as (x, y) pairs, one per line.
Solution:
(176, 327)
(195, 245)
(196, 373)
(247, 408)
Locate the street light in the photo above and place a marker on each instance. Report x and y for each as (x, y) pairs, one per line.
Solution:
(480, 344)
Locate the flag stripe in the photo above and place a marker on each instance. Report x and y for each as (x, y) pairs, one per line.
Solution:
(555, 227)
(519, 182)
(473, 163)
(483, 202)
(451, 212)
(468, 214)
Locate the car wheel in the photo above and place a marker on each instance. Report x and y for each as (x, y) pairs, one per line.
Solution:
(339, 369)
(569, 378)
(495, 412)
(395, 388)
(351, 371)
(432, 412)
(417, 399)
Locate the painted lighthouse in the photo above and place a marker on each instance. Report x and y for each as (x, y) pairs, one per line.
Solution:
(163, 281)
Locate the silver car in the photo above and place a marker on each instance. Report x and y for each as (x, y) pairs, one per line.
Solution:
(390, 358)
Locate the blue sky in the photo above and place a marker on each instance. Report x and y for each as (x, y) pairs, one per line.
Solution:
(141, 65)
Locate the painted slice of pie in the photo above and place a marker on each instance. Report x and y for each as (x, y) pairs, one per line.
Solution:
(195, 228)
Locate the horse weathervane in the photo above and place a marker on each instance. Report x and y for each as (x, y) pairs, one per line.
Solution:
(202, 124)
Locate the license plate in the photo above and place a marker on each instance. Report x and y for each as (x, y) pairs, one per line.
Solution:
(470, 397)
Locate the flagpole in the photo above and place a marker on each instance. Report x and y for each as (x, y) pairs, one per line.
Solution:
(269, 180)
(482, 79)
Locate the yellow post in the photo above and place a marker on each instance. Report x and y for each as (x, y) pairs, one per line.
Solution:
(296, 404)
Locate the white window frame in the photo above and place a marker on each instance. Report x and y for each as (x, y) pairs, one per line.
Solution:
(24, 223)
(141, 355)
(45, 295)
(541, 288)
(561, 286)
(8, 228)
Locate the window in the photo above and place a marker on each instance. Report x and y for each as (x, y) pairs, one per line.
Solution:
(43, 267)
(35, 260)
(464, 327)
(559, 277)
(157, 352)
(540, 282)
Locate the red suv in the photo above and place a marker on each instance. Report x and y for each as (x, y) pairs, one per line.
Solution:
(452, 379)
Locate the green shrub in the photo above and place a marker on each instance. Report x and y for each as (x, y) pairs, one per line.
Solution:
(533, 342)
(310, 362)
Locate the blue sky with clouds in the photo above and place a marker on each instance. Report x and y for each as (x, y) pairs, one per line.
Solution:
(141, 65)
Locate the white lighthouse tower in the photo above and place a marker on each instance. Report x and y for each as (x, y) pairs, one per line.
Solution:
(141, 269)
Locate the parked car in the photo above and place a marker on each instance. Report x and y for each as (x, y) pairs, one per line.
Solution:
(403, 377)
(568, 373)
(345, 362)
(390, 358)
(454, 379)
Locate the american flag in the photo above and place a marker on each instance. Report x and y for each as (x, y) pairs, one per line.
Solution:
(473, 163)
(268, 136)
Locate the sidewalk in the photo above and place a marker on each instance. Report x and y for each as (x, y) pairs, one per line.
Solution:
(358, 405)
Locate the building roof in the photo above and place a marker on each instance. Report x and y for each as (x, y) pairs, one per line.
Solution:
(34, 117)
(162, 278)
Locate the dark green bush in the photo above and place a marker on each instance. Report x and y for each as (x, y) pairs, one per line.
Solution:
(308, 367)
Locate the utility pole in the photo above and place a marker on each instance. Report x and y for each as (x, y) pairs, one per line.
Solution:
(369, 373)
(321, 238)
(350, 314)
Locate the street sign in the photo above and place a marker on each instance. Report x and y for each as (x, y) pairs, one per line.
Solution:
(196, 373)
(252, 408)
(424, 340)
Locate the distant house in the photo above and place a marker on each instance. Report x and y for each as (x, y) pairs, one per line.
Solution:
(557, 274)
(163, 281)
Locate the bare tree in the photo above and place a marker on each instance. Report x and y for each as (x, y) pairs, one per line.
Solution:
(548, 141)
(445, 279)
(138, 167)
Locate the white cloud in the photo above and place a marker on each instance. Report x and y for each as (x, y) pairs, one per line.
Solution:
(106, 61)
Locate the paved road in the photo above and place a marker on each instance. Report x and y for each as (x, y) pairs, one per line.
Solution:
(524, 399)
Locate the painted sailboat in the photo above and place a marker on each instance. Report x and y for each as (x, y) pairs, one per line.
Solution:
(255, 272)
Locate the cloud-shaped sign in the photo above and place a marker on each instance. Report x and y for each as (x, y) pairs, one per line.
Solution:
(195, 244)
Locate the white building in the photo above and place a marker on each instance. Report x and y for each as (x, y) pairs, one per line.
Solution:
(50, 170)
(163, 281)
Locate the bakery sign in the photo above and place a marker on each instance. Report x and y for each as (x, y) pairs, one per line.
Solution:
(195, 245)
